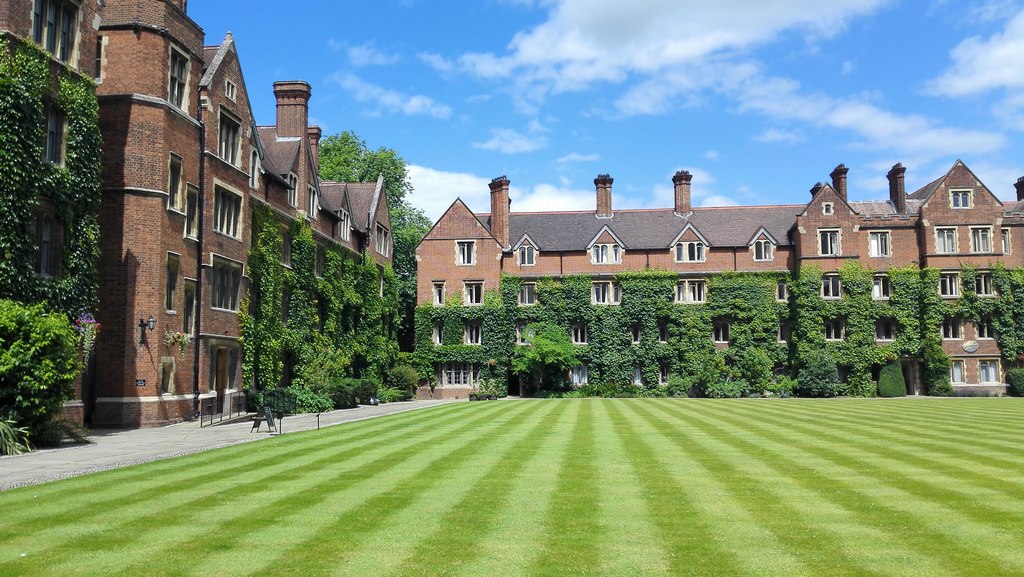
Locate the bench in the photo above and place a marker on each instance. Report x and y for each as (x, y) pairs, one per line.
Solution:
(266, 416)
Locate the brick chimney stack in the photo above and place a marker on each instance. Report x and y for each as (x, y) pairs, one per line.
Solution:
(681, 182)
(292, 108)
(1020, 189)
(897, 188)
(603, 183)
(500, 205)
(313, 133)
(839, 180)
(816, 189)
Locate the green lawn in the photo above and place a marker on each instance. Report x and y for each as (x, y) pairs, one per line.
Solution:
(928, 487)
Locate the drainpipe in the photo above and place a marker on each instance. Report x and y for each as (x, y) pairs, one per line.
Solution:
(200, 209)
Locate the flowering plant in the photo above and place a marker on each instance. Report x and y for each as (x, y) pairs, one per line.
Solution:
(87, 328)
(182, 340)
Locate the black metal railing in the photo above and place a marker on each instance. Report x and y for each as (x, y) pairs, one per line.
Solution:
(220, 408)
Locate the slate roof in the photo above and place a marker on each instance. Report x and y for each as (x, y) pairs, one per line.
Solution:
(332, 195)
(652, 229)
(884, 207)
(212, 57)
(925, 192)
(361, 195)
(281, 154)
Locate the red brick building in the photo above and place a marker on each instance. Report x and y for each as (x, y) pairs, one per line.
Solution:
(952, 223)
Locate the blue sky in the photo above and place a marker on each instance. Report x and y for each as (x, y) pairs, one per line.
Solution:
(758, 99)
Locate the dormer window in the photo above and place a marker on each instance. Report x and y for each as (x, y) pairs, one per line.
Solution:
(606, 254)
(311, 201)
(690, 252)
(293, 190)
(764, 250)
(828, 208)
(961, 198)
(344, 225)
(526, 255)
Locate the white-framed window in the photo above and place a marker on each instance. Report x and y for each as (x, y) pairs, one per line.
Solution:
(952, 329)
(458, 374)
(473, 293)
(522, 332)
(527, 293)
(638, 375)
(835, 329)
(437, 333)
(956, 372)
(693, 251)
(831, 287)
(174, 184)
(293, 190)
(227, 278)
(188, 316)
(311, 203)
(230, 89)
(949, 284)
(879, 244)
(229, 138)
(881, 288)
(438, 292)
(829, 242)
(945, 240)
(344, 226)
(578, 374)
(227, 212)
(885, 329)
(56, 126)
(55, 28)
(606, 254)
(691, 291)
(782, 291)
(720, 330)
(383, 238)
(1004, 238)
(167, 366)
(828, 208)
(606, 293)
(764, 250)
(177, 81)
(472, 333)
(981, 239)
(961, 198)
(984, 328)
(983, 284)
(988, 371)
(634, 334)
(527, 256)
(579, 333)
(171, 283)
(191, 212)
(254, 170)
(663, 372)
(465, 252)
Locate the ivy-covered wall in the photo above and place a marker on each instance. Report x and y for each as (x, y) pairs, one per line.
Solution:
(291, 312)
(28, 84)
(756, 361)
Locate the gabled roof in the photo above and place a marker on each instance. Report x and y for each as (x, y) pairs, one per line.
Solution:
(281, 153)
(601, 232)
(334, 196)
(926, 191)
(689, 227)
(524, 240)
(361, 196)
(213, 56)
(759, 233)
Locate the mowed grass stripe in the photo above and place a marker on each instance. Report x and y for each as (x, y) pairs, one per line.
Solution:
(160, 521)
(686, 537)
(51, 499)
(571, 532)
(451, 523)
(516, 536)
(885, 495)
(799, 504)
(731, 525)
(630, 540)
(942, 474)
(349, 517)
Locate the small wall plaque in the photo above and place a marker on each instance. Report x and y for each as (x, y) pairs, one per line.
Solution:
(140, 382)
(971, 346)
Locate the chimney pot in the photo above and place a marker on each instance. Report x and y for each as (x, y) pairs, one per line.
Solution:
(839, 180)
(816, 189)
(1019, 185)
(603, 184)
(313, 133)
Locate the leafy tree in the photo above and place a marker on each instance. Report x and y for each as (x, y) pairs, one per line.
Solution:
(548, 355)
(345, 157)
(820, 377)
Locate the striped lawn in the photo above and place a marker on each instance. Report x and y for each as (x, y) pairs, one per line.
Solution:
(928, 487)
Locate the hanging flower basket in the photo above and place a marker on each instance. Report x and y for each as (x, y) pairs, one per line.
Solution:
(178, 339)
(87, 328)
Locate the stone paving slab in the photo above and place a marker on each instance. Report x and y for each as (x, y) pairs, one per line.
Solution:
(111, 449)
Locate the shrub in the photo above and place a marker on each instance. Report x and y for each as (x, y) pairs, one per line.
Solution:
(891, 382)
(678, 386)
(391, 395)
(57, 430)
(38, 364)
(727, 389)
(493, 387)
(820, 377)
(13, 439)
(783, 386)
(403, 378)
(1015, 380)
(308, 401)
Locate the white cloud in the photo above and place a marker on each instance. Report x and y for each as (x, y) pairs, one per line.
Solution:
(847, 68)
(437, 62)
(710, 154)
(774, 135)
(577, 157)
(368, 55)
(508, 141)
(389, 100)
(981, 65)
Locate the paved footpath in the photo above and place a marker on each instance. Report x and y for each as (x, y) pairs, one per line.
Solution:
(110, 449)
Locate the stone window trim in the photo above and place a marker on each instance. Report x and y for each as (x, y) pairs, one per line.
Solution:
(956, 372)
(828, 208)
(522, 334)
(579, 333)
(981, 239)
(56, 135)
(830, 242)
(229, 137)
(881, 287)
(527, 294)
(189, 306)
(472, 333)
(226, 276)
(228, 210)
(983, 286)
(984, 329)
(946, 240)
(720, 331)
(168, 367)
(230, 90)
(311, 202)
(458, 374)
(831, 287)
(606, 254)
(55, 26)
(526, 255)
(691, 291)
(255, 169)
(49, 237)
(175, 184)
(690, 251)
(1005, 241)
(344, 225)
(952, 329)
(949, 285)
(473, 293)
(465, 253)
(578, 375)
(961, 198)
(179, 68)
(293, 190)
(171, 283)
(835, 329)
(605, 293)
(382, 240)
(438, 292)
(880, 244)
(988, 371)
(885, 329)
(437, 334)
(191, 229)
(782, 292)
(763, 250)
